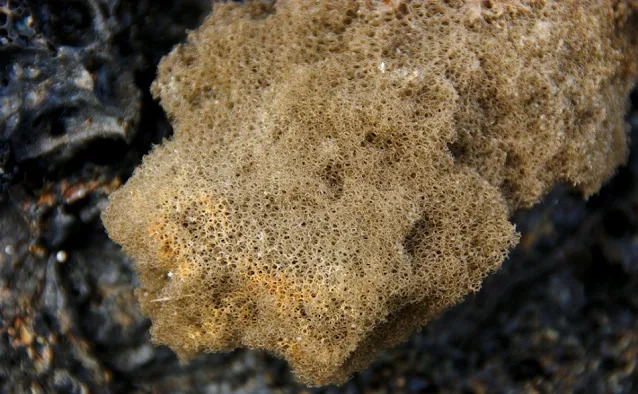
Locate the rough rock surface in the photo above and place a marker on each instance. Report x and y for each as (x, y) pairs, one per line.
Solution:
(62, 80)
(560, 316)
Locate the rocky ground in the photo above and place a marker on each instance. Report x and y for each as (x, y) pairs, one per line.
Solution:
(76, 118)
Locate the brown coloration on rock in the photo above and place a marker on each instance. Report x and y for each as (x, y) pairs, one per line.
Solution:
(343, 171)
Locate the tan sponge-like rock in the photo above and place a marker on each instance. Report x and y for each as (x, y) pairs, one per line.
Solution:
(342, 171)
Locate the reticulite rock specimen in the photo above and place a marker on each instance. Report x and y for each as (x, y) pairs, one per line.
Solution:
(343, 171)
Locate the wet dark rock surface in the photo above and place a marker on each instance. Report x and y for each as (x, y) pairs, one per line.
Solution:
(76, 118)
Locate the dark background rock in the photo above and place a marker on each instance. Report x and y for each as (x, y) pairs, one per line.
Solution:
(560, 316)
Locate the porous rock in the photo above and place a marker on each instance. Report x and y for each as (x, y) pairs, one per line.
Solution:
(343, 171)
(62, 81)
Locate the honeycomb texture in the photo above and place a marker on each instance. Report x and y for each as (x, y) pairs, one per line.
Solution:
(342, 171)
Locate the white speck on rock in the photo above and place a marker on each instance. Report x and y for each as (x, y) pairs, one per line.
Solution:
(61, 256)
